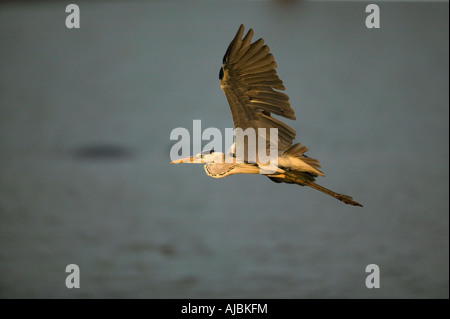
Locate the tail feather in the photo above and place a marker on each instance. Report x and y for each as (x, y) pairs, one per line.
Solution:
(298, 150)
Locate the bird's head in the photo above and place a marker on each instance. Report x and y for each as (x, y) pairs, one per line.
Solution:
(202, 158)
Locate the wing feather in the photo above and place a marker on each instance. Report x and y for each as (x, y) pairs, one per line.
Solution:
(267, 60)
(250, 83)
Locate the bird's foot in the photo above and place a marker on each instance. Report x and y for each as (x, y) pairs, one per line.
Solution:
(348, 200)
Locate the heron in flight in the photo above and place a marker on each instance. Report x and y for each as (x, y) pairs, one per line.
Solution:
(252, 87)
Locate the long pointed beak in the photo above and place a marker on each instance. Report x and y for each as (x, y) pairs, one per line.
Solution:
(189, 159)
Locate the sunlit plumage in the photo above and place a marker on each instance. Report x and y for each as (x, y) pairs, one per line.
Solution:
(252, 87)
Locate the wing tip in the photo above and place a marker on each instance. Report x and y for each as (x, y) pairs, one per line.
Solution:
(241, 28)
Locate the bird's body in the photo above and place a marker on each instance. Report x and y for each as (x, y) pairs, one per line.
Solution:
(252, 87)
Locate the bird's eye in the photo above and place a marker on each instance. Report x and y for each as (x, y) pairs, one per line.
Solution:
(221, 74)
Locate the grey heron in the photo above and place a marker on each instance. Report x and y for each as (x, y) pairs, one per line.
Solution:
(252, 87)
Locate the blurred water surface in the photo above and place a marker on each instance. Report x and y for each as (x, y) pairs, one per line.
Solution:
(85, 119)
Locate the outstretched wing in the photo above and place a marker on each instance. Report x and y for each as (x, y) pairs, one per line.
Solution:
(251, 85)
